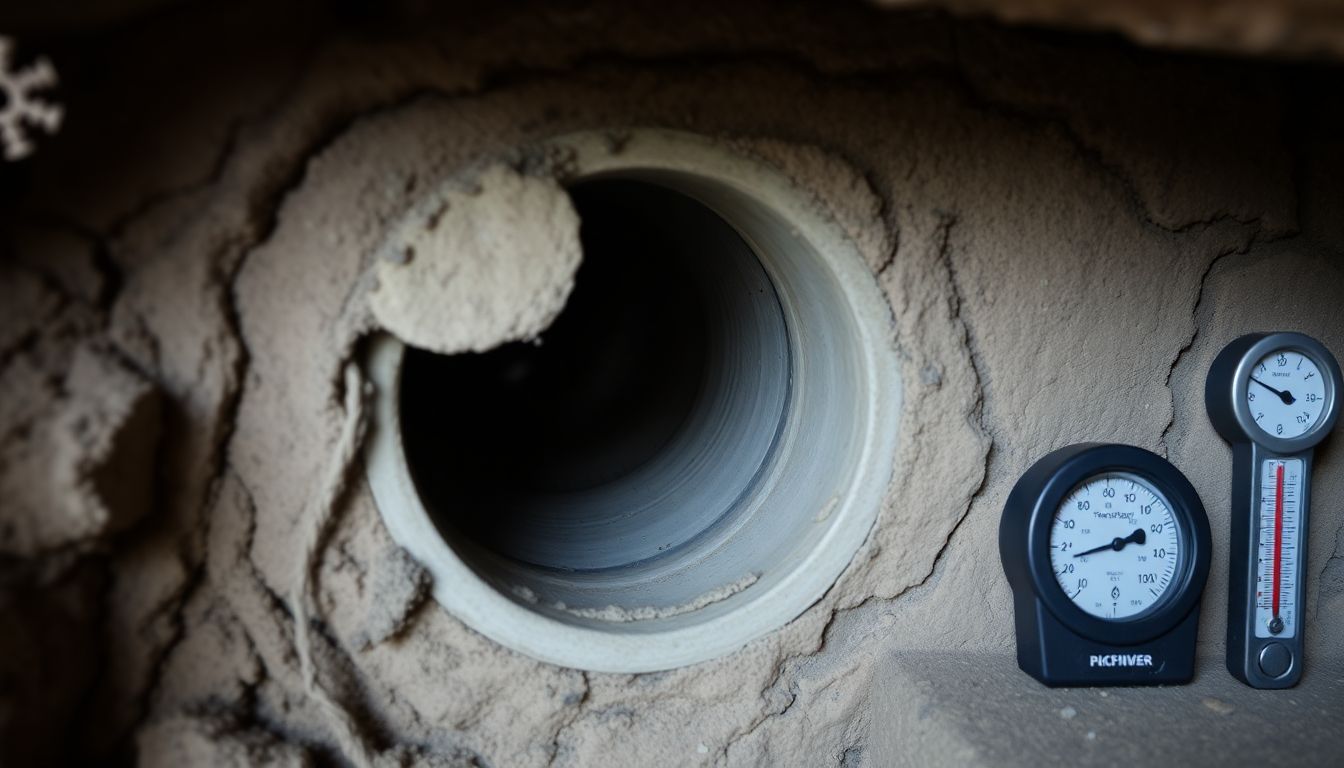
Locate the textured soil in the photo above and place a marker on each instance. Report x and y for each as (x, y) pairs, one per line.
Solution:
(192, 568)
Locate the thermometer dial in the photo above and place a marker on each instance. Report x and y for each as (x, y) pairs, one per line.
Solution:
(1286, 393)
(1115, 545)
(1274, 397)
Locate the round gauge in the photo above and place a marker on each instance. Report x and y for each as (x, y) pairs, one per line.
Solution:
(1115, 545)
(1286, 393)
(1106, 548)
(1278, 390)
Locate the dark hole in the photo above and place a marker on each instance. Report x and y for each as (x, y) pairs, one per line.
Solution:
(490, 436)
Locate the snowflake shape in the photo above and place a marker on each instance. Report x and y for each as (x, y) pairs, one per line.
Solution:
(20, 110)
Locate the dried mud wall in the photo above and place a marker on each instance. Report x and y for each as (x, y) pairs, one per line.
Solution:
(1067, 230)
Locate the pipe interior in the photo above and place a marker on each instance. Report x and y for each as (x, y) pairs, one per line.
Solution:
(640, 419)
(689, 422)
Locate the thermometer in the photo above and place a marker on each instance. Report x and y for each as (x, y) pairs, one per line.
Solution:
(1274, 397)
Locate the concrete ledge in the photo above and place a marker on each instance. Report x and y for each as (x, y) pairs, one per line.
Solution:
(980, 709)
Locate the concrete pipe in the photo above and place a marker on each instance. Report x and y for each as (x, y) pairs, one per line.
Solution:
(694, 451)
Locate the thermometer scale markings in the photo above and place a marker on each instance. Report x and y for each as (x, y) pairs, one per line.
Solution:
(1276, 583)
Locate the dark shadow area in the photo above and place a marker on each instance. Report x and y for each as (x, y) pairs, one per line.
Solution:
(609, 384)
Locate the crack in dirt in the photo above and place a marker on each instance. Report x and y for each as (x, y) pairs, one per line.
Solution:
(569, 721)
(1058, 119)
(977, 412)
(1163, 447)
(265, 204)
(943, 238)
(943, 235)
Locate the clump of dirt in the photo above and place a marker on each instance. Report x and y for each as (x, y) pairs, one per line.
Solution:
(469, 270)
(77, 463)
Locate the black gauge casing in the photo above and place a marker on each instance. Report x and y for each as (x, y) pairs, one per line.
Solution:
(1059, 643)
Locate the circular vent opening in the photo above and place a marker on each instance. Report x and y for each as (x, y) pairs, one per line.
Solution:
(691, 454)
(640, 421)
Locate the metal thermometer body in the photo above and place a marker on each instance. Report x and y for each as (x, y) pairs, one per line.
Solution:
(1271, 492)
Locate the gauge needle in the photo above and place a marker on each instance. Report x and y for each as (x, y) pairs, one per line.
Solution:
(1117, 544)
(1285, 395)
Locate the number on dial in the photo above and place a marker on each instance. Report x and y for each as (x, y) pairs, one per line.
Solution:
(1114, 546)
(1286, 393)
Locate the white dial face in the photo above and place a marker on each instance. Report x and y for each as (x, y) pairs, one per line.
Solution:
(1286, 393)
(1114, 546)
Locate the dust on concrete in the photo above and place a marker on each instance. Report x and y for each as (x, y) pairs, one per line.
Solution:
(617, 614)
(1044, 255)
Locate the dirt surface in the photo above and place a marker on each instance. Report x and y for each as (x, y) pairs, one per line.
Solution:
(1067, 230)
(468, 270)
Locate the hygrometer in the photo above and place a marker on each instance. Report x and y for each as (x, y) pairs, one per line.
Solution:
(1106, 548)
(1274, 397)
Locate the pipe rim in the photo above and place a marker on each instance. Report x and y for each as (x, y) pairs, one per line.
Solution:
(716, 629)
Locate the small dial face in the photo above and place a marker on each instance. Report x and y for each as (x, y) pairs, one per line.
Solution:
(1286, 393)
(1114, 546)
